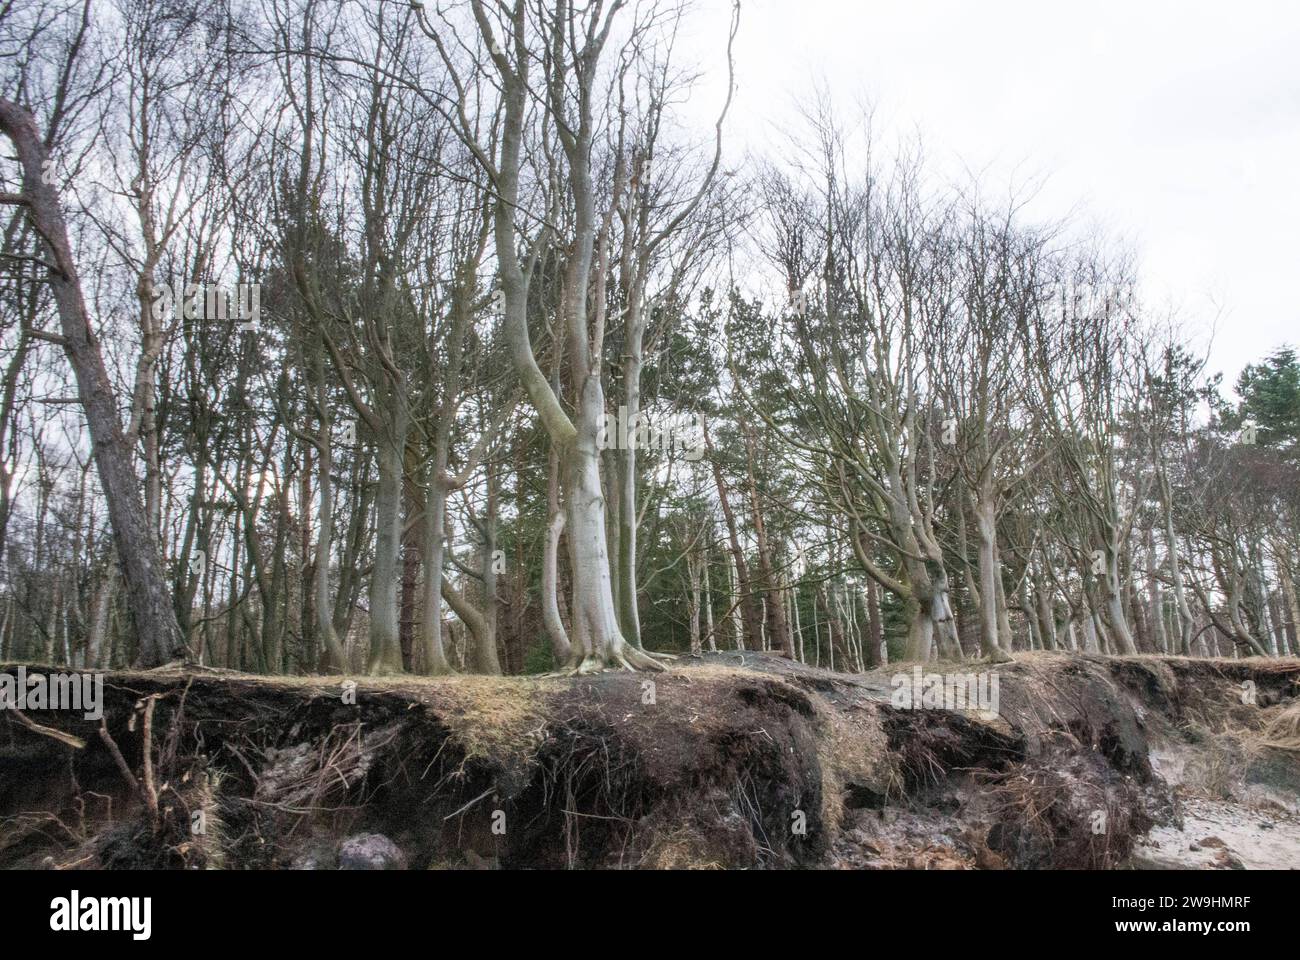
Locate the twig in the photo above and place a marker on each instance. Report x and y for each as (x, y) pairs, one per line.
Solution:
(150, 791)
(122, 765)
(470, 804)
(73, 741)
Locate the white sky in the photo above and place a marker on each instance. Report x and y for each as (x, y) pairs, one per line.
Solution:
(1173, 125)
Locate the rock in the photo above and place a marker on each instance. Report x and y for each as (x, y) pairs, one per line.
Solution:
(370, 851)
(315, 858)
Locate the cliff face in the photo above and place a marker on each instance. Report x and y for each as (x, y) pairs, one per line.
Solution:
(734, 760)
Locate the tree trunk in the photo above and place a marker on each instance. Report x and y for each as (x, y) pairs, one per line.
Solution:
(986, 536)
(435, 539)
(334, 657)
(1293, 608)
(708, 612)
(778, 632)
(875, 627)
(385, 644)
(598, 641)
(1115, 605)
(1046, 616)
(693, 602)
(158, 634)
(96, 630)
(410, 573)
(748, 605)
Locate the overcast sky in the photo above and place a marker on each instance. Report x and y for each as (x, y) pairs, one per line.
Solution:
(1174, 125)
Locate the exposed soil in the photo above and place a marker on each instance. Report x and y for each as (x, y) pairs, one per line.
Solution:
(729, 761)
(1221, 835)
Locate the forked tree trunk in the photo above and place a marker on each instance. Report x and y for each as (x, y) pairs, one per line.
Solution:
(598, 640)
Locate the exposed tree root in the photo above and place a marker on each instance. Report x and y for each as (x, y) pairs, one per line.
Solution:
(768, 764)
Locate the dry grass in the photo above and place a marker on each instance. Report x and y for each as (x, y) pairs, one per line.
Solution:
(1219, 762)
(1282, 732)
(502, 718)
(680, 849)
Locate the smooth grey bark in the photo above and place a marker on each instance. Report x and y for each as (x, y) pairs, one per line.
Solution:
(1034, 638)
(986, 536)
(1186, 620)
(1091, 642)
(875, 626)
(597, 641)
(486, 656)
(435, 538)
(733, 584)
(437, 487)
(791, 618)
(479, 628)
(1114, 602)
(97, 628)
(1046, 616)
(335, 657)
(385, 643)
(1292, 607)
(560, 646)
(1007, 645)
(1155, 597)
(694, 602)
(708, 614)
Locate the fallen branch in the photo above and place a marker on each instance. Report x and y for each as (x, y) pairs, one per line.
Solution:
(146, 735)
(122, 765)
(71, 740)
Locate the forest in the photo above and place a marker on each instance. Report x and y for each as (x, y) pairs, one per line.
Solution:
(397, 340)
(958, 433)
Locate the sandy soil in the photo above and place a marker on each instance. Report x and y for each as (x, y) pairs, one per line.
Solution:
(1222, 835)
